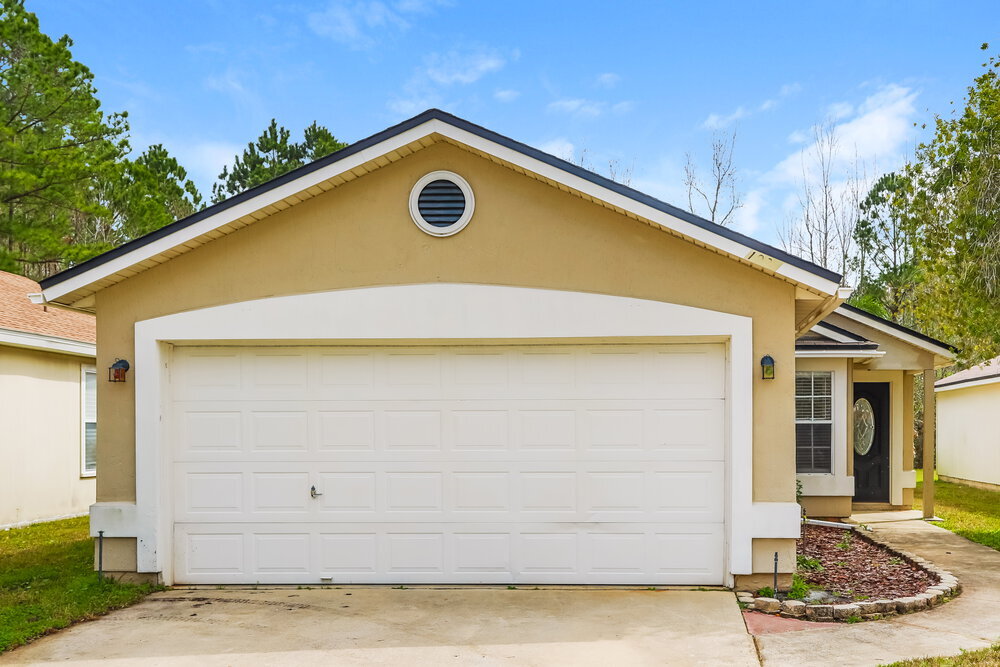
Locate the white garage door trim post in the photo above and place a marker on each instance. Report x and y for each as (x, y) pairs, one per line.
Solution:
(442, 313)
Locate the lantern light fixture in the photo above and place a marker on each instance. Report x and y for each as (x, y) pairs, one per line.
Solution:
(767, 367)
(117, 370)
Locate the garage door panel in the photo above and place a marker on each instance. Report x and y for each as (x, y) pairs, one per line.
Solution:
(208, 431)
(544, 553)
(666, 430)
(345, 430)
(277, 429)
(208, 374)
(348, 554)
(275, 374)
(616, 491)
(548, 464)
(206, 494)
(348, 492)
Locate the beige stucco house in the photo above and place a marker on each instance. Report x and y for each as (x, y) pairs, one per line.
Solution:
(443, 356)
(969, 441)
(47, 408)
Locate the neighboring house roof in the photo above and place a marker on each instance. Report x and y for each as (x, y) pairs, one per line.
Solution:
(76, 285)
(985, 373)
(25, 324)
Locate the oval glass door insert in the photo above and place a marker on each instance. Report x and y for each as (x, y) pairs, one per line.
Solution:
(864, 426)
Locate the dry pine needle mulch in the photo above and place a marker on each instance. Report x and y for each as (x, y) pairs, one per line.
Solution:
(856, 568)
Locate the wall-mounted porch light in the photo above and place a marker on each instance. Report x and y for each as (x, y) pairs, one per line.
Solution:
(767, 367)
(117, 371)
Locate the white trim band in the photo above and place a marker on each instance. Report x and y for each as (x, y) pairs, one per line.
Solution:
(444, 313)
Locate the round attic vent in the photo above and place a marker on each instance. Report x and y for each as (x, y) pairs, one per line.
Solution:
(441, 203)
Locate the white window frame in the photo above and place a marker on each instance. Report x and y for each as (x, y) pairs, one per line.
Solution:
(831, 421)
(837, 483)
(84, 370)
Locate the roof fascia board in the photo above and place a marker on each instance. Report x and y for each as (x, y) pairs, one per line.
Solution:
(45, 343)
(392, 142)
(833, 334)
(896, 333)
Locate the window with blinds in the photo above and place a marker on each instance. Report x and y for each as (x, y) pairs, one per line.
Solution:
(814, 421)
(88, 453)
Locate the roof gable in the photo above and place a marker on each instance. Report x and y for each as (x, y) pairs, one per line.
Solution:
(74, 285)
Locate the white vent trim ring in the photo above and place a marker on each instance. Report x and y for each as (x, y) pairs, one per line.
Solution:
(463, 220)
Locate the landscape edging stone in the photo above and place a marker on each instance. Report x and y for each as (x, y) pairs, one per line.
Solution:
(947, 587)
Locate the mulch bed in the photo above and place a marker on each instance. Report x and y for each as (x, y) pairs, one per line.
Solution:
(855, 568)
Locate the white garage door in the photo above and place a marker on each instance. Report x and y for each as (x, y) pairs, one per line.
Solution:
(582, 464)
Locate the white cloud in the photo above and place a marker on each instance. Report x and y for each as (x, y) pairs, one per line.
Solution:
(798, 137)
(420, 6)
(790, 89)
(877, 130)
(718, 121)
(506, 95)
(560, 147)
(871, 136)
(664, 180)
(229, 82)
(411, 106)
(623, 107)
(237, 85)
(461, 67)
(441, 71)
(578, 107)
(747, 218)
(608, 80)
(361, 24)
(839, 110)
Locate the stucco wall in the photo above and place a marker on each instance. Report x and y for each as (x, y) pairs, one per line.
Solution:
(40, 437)
(968, 441)
(524, 233)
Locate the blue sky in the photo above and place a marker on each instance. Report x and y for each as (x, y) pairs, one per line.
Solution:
(642, 83)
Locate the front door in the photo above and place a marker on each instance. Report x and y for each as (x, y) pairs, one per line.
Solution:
(871, 442)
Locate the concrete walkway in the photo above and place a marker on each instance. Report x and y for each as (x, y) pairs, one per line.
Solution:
(418, 626)
(970, 621)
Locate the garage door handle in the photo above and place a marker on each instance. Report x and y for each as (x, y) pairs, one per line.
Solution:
(312, 492)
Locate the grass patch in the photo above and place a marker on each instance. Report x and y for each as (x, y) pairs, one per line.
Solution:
(47, 581)
(982, 658)
(972, 513)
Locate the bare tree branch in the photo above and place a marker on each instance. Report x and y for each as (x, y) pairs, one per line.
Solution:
(721, 197)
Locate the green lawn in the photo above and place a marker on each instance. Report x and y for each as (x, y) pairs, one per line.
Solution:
(47, 581)
(987, 657)
(971, 513)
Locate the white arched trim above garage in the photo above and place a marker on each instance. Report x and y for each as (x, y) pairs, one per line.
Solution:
(441, 315)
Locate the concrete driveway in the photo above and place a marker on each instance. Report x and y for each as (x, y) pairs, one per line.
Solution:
(376, 626)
